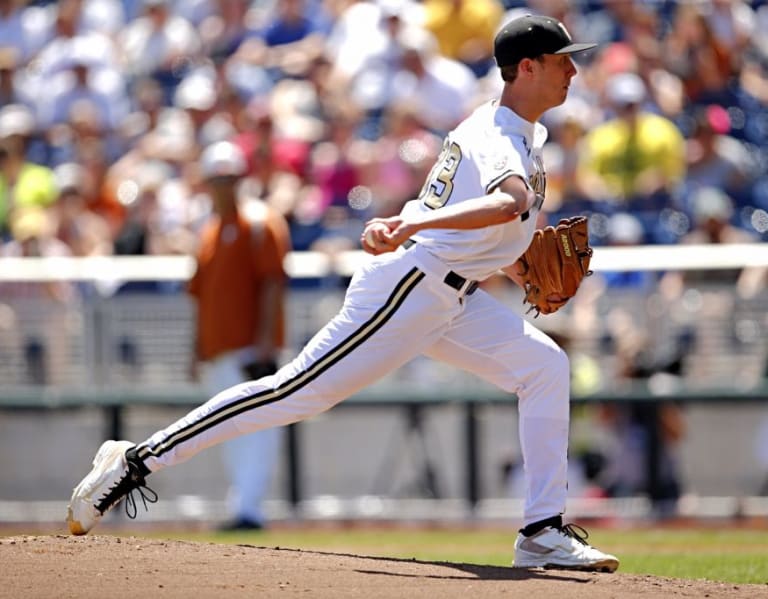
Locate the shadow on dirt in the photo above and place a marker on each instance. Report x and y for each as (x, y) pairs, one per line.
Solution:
(480, 572)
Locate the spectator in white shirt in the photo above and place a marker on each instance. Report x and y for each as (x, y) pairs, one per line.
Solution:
(83, 79)
(442, 89)
(159, 43)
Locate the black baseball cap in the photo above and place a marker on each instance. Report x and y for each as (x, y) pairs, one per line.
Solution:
(530, 36)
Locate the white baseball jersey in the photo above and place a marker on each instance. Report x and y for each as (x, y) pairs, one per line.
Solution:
(493, 143)
(407, 303)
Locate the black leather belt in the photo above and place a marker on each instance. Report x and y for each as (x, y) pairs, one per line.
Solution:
(452, 279)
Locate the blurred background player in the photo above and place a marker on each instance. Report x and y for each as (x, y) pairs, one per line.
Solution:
(239, 287)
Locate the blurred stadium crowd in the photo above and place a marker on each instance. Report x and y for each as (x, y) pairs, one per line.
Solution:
(340, 107)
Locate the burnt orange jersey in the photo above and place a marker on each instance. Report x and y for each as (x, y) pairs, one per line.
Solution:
(239, 258)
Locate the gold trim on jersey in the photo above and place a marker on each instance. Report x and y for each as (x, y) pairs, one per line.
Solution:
(496, 181)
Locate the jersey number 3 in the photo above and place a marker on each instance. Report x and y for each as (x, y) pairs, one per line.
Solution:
(439, 185)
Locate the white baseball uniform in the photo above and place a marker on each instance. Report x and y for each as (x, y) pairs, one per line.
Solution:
(418, 300)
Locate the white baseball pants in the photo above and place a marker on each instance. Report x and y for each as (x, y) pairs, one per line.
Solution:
(398, 307)
(249, 459)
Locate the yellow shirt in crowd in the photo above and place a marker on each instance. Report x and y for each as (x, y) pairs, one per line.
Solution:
(620, 154)
(35, 186)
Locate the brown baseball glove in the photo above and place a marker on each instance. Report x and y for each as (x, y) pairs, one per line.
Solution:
(553, 266)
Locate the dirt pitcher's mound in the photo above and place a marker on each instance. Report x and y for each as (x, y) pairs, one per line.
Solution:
(63, 567)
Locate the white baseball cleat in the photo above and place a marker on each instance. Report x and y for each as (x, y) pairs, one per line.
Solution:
(562, 548)
(112, 477)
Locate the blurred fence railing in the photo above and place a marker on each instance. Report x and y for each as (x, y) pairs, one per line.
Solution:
(114, 321)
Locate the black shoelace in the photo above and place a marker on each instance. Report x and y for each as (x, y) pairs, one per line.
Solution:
(131, 481)
(576, 532)
(147, 496)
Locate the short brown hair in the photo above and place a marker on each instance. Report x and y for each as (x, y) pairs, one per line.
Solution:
(509, 72)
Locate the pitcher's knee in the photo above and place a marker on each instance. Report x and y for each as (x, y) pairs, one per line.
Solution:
(560, 367)
(552, 361)
(547, 392)
(554, 374)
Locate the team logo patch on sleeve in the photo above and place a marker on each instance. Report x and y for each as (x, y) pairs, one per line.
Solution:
(494, 155)
(499, 161)
(495, 158)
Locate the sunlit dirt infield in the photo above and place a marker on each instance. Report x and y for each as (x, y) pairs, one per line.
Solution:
(61, 567)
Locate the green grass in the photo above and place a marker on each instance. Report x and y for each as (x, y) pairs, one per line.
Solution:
(728, 554)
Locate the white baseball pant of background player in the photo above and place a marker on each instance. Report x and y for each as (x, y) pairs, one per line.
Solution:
(250, 478)
(397, 307)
